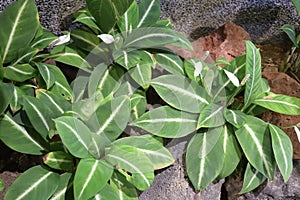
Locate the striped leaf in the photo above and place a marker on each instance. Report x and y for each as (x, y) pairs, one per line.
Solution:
(131, 58)
(35, 183)
(111, 118)
(39, 115)
(61, 85)
(85, 17)
(130, 18)
(18, 138)
(135, 162)
(253, 67)
(211, 116)
(235, 117)
(297, 5)
(142, 74)
(170, 62)
(6, 95)
(72, 58)
(59, 160)
(138, 103)
(204, 161)
(111, 11)
(165, 23)
(124, 189)
(87, 41)
(290, 31)
(280, 103)
(181, 93)
(19, 23)
(149, 13)
(154, 150)
(105, 79)
(167, 122)
(255, 141)
(90, 177)
(283, 151)
(232, 152)
(252, 179)
(154, 38)
(17, 99)
(108, 193)
(19, 73)
(47, 73)
(43, 40)
(25, 55)
(63, 187)
(75, 135)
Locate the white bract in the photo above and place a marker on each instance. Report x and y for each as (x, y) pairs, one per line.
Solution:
(198, 69)
(61, 40)
(297, 132)
(234, 80)
(106, 38)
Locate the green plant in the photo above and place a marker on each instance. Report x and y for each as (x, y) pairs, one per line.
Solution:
(85, 132)
(291, 64)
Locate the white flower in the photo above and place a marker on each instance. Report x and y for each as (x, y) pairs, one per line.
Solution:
(234, 80)
(297, 132)
(106, 38)
(198, 69)
(61, 40)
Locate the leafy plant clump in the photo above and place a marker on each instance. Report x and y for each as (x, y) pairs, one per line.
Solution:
(89, 131)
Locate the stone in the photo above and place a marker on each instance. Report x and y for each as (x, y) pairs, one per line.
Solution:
(261, 19)
(281, 83)
(275, 189)
(228, 42)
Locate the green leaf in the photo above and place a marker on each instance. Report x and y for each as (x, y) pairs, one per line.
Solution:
(297, 5)
(44, 40)
(6, 95)
(283, 151)
(35, 183)
(170, 62)
(235, 117)
(47, 73)
(19, 73)
(167, 122)
(253, 68)
(133, 161)
(108, 193)
(290, 31)
(57, 104)
(142, 74)
(2, 185)
(111, 11)
(17, 138)
(39, 115)
(25, 55)
(159, 155)
(90, 177)
(105, 79)
(86, 18)
(154, 38)
(232, 153)
(125, 189)
(61, 86)
(130, 18)
(252, 179)
(205, 157)
(59, 160)
(255, 141)
(149, 13)
(72, 58)
(280, 103)
(63, 186)
(131, 58)
(181, 93)
(75, 135)
(111, 118)
(211, 116)
(138, 103)
(19, 23)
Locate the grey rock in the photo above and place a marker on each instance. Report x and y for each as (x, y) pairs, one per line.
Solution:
(261, 19)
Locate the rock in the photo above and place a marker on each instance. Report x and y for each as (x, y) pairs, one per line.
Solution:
(228, 42)
(269, 190)
(281, 83)
(261, 19)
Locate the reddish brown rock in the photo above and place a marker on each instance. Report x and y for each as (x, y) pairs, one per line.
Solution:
(281, 83)
(225, 42)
